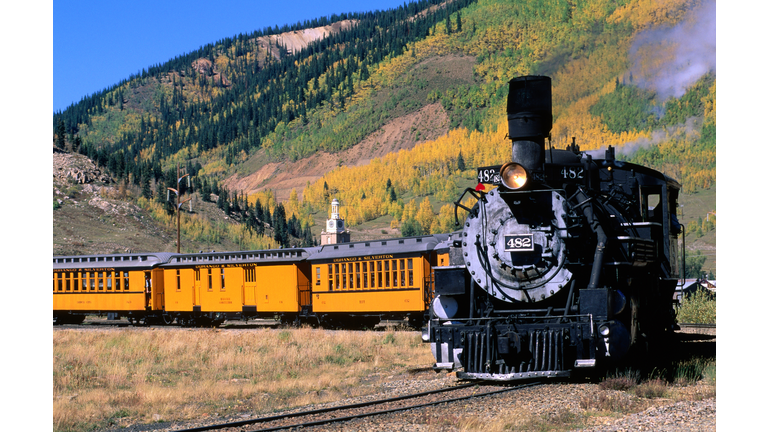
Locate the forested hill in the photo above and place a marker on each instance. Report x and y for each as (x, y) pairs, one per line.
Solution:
(390, 111)
(237, 91)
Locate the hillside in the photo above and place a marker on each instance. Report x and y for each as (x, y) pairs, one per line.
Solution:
(91, 215)
(390, 112)
(94, 215)
(401, 133)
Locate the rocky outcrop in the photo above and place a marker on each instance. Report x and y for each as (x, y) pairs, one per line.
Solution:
(76, 168)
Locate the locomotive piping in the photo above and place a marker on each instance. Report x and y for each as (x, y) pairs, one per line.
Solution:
(569, 302)
(602, 238)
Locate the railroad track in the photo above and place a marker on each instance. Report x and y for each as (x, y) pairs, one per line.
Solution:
(344, 413)
(687, 325)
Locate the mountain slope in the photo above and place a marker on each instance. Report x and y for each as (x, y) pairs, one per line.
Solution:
(393, 111)
(401, 133)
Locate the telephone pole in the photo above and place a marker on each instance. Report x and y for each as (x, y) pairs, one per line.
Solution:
(179, 203)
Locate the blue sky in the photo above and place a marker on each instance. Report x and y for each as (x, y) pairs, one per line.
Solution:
(98, 43)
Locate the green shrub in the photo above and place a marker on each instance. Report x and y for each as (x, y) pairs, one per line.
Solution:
(690, 371)
(697, 308)
(710, 373)
(389, 339)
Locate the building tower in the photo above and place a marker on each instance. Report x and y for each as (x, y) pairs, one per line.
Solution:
(335, 231)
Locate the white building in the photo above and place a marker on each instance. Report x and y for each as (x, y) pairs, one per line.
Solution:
(335, 231)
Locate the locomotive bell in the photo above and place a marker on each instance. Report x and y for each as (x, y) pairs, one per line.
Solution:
(529, 116)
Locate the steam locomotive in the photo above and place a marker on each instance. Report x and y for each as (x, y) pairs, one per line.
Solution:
(569, 264)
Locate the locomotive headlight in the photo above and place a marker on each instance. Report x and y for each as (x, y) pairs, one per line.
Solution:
(604, 330)
(513, 175)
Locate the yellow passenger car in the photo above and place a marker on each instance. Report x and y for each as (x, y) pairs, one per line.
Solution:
(123, 285)
(205, 287)
(374, 280)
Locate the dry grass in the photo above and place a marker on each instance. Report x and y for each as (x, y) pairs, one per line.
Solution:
(611, 401)
(103, 378)
(144, 375)
(557, 420)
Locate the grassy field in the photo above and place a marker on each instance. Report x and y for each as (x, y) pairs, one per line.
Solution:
(106, 378)
(693, 207)
(103, 378)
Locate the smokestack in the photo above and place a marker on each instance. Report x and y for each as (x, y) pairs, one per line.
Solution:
(529, 114)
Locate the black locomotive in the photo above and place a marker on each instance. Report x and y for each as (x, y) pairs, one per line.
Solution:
(570, 263)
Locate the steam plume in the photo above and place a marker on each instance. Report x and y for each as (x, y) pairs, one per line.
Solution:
(668, 59)
(689, 129)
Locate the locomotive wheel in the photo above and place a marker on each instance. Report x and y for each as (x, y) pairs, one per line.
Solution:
(167, 319)
(634, 331)
(638, 341)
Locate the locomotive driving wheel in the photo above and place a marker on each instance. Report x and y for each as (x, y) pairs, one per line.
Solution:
(638, 340)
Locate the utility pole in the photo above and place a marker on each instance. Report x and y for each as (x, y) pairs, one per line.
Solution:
(179, 203)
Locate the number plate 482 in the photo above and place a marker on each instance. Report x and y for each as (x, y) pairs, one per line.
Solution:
(518, 243)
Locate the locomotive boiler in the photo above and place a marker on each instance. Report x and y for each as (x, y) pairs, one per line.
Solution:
(568, 263)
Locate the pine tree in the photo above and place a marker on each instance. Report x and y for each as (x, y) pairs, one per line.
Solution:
(250, 221)
(307, 238)
(326, 193)
(258, 210)
(146, 190)
(160, 194)
(458, 22)
(410, 228)
(60, 131)
(280, 226)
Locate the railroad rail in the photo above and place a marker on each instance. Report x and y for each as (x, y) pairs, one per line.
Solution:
(691, 325)
(344, 413)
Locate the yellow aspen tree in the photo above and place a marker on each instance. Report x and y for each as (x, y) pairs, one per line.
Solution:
(425, 215)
